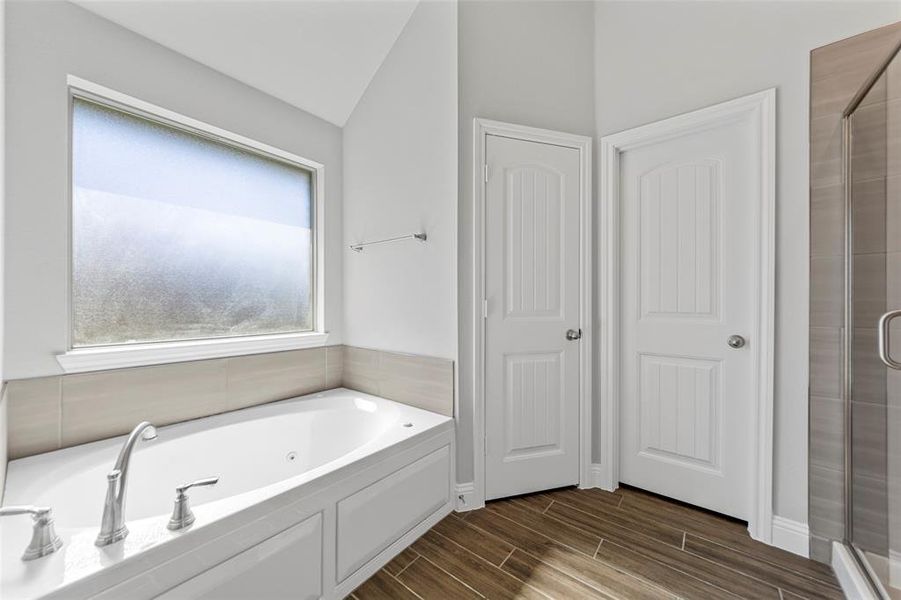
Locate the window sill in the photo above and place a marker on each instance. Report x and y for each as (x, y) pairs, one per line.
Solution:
(138, 355)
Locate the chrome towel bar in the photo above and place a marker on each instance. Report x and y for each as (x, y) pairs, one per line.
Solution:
(413, 236)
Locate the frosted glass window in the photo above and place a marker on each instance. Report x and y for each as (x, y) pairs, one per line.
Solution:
(177, 236)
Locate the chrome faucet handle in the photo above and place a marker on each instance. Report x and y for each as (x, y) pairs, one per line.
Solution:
(180, 490)
(44, 540)
(182, 515)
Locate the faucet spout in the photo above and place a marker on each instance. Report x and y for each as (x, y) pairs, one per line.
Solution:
(112, 525)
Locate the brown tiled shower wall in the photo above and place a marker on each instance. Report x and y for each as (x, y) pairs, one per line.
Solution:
(48, 413)
(837, 72)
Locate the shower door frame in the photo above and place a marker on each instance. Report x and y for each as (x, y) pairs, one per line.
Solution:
(847, 341)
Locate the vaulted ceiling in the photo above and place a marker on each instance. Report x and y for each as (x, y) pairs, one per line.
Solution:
(318, 55)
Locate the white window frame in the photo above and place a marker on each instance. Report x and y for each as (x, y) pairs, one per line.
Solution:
(76, 360)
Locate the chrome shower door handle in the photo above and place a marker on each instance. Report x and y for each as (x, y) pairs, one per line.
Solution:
(885, 347)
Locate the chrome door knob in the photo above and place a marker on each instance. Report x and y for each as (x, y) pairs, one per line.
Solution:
(573, 334)
(735, 341)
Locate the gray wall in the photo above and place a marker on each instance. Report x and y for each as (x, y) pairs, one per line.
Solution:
(527, 63)
(400, 177)
(522, 62)
(658, 59)
(45, 41)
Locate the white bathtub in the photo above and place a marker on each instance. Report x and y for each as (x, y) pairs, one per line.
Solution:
(301, 484)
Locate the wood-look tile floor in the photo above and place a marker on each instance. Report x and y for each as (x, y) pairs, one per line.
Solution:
(573, 543)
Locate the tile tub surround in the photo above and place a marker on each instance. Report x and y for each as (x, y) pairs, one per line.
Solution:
(49, 413)
(837, 71)
(421, 381)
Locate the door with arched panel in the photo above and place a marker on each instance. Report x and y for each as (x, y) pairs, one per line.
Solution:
(690, 207)
(532, 288)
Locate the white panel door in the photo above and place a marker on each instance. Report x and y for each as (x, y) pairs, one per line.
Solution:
(690, 222)
(532, 288)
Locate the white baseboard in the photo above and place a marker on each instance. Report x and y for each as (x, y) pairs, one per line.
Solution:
(595, 478)
(792, 536)
(787, 534)
(848, 574)
(465, 497)
(592, 477)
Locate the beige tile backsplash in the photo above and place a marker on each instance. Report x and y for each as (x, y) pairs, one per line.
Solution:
(33, 415)
(56, 412)
(361, 369)
(417, 380)
(105, 404)
(334, 366)
(262, 378)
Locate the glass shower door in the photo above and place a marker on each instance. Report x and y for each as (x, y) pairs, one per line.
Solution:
(873, 394)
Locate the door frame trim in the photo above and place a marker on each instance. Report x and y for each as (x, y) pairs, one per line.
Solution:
(482, 128)
(761, 109)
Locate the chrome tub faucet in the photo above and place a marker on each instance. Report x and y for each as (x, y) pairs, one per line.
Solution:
(112, 527)
(44, 540)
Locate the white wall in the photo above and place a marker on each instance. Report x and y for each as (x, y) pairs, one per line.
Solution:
(522, 62)
(3, 421)
(400, 177)
(45, 42)
(658, 59)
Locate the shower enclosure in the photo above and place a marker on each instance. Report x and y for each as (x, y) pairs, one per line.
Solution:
(871, 127)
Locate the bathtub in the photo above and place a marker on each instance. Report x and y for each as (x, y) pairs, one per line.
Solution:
(315, 494)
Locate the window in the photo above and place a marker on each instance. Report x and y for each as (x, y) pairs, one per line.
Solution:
(178, 234)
